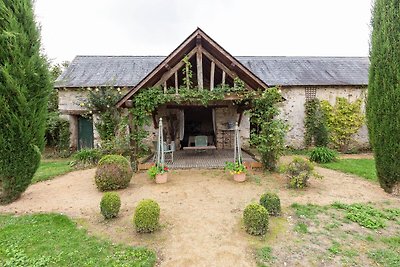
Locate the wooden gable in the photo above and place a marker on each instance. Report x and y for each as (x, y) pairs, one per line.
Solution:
(211, 65)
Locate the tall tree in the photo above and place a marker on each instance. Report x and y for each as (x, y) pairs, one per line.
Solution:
(24, 89)
(383, 105)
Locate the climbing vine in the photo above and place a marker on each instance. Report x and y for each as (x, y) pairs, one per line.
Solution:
(315, 124)
(343, 120)
(102, 101)
(270, 137)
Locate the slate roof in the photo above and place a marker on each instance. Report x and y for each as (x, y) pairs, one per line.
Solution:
(89, 71)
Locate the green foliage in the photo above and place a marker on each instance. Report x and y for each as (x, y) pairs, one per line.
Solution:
(299, 172)
(264, 256)
(361, 167)
(335, 248)
(255, 219)
(187, 73)
(366, 215)
(315, 124)
(309, 211)
(322, 155)
(344, 119)
(385, 257)
(24, 90)
(57, 133)
(110, 204)
(86, 157)
(301, 228)
(235, 167)
(55, 240)
(269, 139)
(383, 105)
(147, 216)
(102, 101)
(156, 169)
(113, 172)
(272, 203)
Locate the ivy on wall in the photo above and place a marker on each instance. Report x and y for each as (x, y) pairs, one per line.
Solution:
(270, 137)
(343, 120)
(316, 132)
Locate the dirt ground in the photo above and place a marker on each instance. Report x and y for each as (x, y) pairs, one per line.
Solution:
(201, 210)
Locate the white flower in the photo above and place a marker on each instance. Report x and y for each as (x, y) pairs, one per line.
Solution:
(89, 89)
(97, 89)
(90, 112)
(82, 104)
(108, 106)
(118, 89)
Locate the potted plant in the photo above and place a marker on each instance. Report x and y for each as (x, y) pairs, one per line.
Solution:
(238, 170)
(158, 173)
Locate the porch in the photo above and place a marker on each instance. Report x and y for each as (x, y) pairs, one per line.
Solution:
(206, 159)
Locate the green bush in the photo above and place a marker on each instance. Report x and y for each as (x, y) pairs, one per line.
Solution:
(24, 91)
(383, 105)
(322, 155)
(298, 173)
(147, 215)
(113, 172)
(255, 219)
(272, 203)
(87, 157)
(110, 204)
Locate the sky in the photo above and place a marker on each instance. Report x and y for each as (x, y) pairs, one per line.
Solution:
(242, 27)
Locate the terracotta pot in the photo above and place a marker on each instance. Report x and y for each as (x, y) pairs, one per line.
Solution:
(239, 177)
(161, 178)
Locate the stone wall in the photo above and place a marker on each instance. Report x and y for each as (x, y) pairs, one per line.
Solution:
(293, 111)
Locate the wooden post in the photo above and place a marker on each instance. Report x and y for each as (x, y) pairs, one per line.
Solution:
(223, 78)
(176, 83)
(212, 75)
(199, 61)
(165, 87)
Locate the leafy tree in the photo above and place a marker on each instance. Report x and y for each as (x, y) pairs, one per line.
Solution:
(24, 89)
(315, 124)
(383, 105)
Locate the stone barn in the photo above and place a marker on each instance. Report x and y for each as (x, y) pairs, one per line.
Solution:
(299, 78)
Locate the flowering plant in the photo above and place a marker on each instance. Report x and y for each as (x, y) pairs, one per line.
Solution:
(235, 167)
(157, 169)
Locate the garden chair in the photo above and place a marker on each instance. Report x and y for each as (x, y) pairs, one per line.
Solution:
(168, 149)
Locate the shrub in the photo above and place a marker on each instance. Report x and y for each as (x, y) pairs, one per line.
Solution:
(383, 103)
(24, 91)
(86, 157)
(113, 172)
(269, 133)
(322, 155)
(255, 219)
(147, 215)
(272, 203)
(299, 171)
(110, 204)
(343, 120)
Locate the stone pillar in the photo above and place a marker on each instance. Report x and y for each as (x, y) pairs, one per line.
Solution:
(73, 130)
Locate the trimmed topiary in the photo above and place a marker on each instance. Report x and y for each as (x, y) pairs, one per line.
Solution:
(113, 172)
(272, 203)
(322, 155)
(110, 204)
(255, 219)
(147, 216)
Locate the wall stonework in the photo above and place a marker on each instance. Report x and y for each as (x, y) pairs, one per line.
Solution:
(293, 111)
(69, 100)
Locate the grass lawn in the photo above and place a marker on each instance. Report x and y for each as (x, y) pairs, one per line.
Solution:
(360, 167)
(49, 169)
(54, 240)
